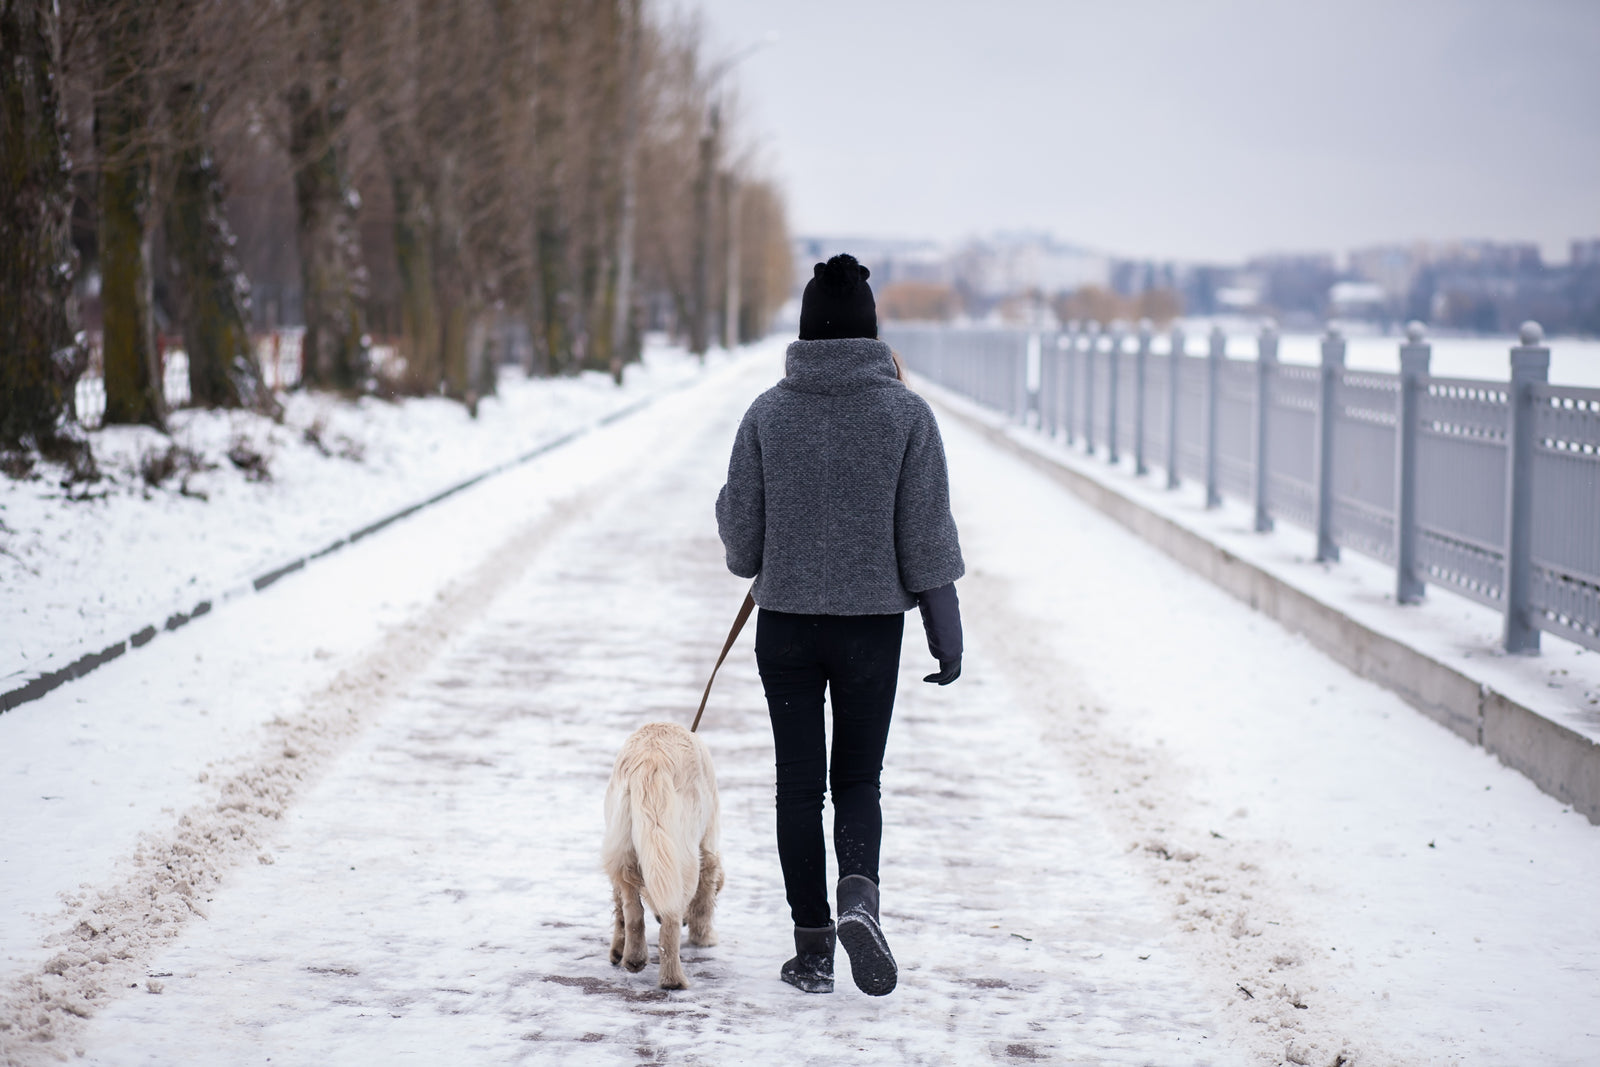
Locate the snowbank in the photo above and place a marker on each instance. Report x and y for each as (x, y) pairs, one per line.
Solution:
(239, 494)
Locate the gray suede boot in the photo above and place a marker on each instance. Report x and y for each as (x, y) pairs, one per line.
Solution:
(871, 964)
(812, 966)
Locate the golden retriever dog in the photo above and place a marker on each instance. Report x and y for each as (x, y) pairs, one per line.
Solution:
(661, 844)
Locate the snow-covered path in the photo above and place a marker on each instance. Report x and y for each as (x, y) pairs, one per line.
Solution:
(1146, 826)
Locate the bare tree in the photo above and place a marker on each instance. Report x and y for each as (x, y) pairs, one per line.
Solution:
(543, 160)
(765, 267)
(317, 99)
(122, 118)
(42, 357)
(700, 294)
(212, 294)
(621, 339)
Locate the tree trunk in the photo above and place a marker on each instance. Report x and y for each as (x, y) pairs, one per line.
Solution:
(334, 282)
(121, 120)
(213, 293)
(396, 98)
(554, 298)
(619, 336)
(700, 279)
(457, 367)
(39, 357)
(551, 239)
(730, 238)
(419, 300)
(594, 310)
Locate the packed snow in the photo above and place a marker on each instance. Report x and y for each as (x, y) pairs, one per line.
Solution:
(357, 818)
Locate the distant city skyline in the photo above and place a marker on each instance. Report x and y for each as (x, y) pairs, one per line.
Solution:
(1583, 248)
(1478, 286)
(1209, 131)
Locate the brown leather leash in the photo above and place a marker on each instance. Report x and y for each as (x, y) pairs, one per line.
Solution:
(739, 620)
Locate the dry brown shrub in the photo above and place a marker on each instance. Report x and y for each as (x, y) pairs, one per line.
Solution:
(918, 302)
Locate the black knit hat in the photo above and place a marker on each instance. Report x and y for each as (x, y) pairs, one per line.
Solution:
(838, 302)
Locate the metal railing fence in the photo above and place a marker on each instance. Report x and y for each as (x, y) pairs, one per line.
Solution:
(1489, 489)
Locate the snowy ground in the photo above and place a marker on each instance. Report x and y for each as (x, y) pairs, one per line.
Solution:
(87, 568)
(356, 818)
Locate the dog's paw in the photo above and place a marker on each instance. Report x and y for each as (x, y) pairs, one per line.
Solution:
(616, 956)
(673, 983)
(705, 938)
(635, 966)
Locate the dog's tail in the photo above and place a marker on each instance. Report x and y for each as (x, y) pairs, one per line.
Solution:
(666, 841)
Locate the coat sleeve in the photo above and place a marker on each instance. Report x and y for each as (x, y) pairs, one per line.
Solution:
(941, 622)
(926, 545)
(742, 505)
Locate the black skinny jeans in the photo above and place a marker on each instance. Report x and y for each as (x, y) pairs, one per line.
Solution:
(856, 658)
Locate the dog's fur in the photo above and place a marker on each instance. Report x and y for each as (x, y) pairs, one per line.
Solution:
(661, 844)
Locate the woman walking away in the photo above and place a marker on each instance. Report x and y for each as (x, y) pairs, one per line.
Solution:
(838, 504)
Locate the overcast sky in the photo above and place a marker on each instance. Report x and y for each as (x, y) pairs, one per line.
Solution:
(1191, 129)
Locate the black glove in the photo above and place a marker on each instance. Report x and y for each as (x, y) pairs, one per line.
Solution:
(949, 671)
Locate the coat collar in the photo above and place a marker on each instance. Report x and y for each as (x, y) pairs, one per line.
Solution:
(838, 367)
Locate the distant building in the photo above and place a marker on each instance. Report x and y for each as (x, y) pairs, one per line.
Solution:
(986, 272)
(1294, 286)
(889, 261)
(1358, 300)
(1393, 267)
(1487, 286)
(1012, 263)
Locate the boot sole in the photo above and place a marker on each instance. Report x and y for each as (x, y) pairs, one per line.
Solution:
(871, 964)
(809, 985)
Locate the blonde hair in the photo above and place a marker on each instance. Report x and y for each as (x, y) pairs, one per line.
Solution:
(899, 366)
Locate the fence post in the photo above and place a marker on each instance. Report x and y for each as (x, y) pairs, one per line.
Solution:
(1113, 375)
(997, 375)
(1092, 332)
(1141, 357)
(1046, 401)
(1012, 406)
(1174, 374)
(1219, 348)
(985, 346)
(1069, 393)
(1266, 364)
(1530, 363)
(1327, 414)
(1414, 357)
(1019, 392)
(1027, 398)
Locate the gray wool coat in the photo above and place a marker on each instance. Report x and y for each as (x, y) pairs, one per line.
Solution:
(838, 500)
